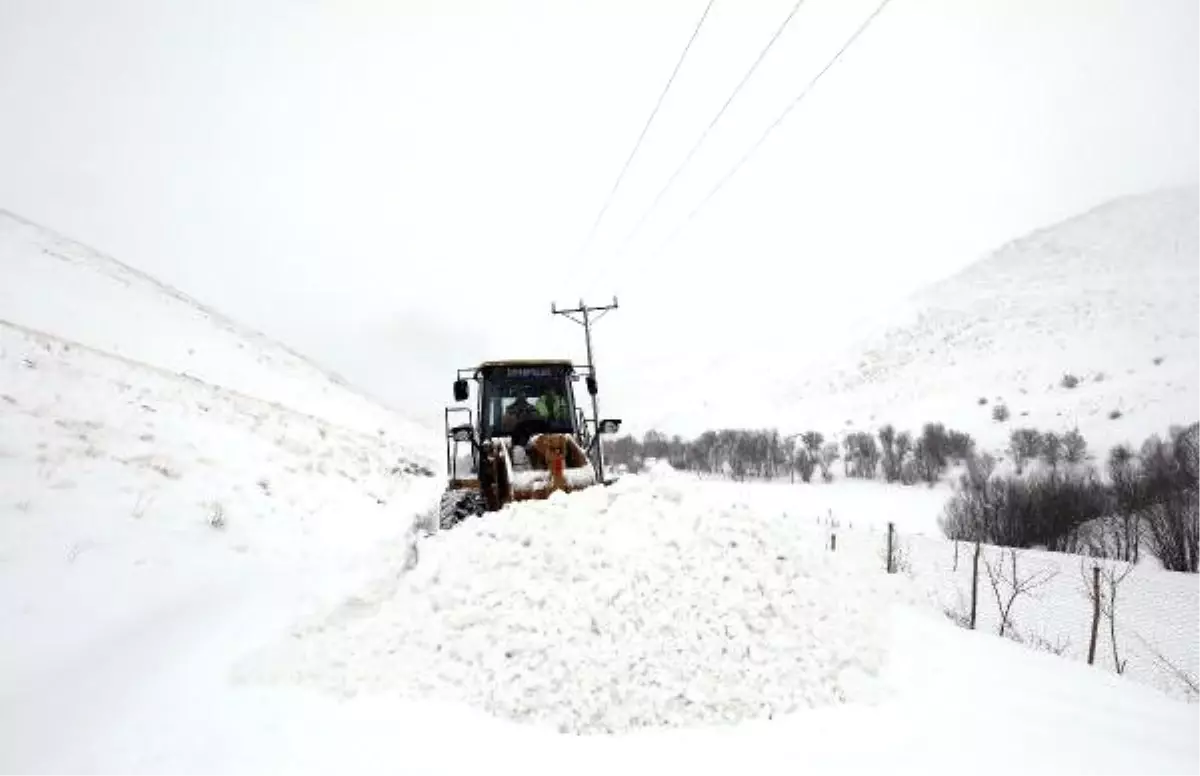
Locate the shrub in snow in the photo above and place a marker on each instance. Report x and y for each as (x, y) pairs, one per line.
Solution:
(1069, 380)
(1114, 415)
(1014, 511)
(216, 516)
(982, 400)
(1000, 413)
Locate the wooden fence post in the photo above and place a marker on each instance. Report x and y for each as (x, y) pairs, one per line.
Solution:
(833, 541)
(890, 546)
(975, 584)
(1095, 613)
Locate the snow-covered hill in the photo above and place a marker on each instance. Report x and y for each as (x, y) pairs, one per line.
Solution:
(60, 287)
(144, 515)
(167, 480)
(1111, 297)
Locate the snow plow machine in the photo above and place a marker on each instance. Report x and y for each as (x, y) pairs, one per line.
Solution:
(525, 439)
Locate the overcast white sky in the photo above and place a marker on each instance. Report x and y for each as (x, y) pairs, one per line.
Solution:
(401, 188)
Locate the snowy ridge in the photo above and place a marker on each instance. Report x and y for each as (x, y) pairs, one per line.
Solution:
(66, 289)
(1111, 296)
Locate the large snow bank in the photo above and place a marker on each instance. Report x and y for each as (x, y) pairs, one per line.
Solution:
(612, 609)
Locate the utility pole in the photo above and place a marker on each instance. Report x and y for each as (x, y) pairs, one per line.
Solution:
(586, 322)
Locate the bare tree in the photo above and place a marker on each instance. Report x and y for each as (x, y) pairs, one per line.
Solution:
(1024, 445)
(887, 448)
(805, 464)
(1074, 447)
(829, 454)
(1052, 450)
(1128, 496)
(1015, 584)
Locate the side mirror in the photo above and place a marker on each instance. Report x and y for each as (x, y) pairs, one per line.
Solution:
(461, 390)
(591, 384)
(610, 426)
(462, 434)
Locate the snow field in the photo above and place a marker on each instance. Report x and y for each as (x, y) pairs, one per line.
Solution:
(612, 609)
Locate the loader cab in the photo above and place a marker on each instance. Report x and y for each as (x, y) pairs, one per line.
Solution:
(513, 392)
(517, 401)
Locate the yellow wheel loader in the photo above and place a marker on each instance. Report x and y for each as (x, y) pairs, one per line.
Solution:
(525, 438)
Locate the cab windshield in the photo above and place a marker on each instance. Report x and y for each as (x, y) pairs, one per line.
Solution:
(512, 395)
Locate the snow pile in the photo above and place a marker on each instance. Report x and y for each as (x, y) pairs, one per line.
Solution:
(612, 609)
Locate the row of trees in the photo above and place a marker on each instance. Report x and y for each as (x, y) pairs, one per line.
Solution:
(741, 453)
(1149, 495)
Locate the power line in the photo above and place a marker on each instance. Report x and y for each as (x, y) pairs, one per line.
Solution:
(762, 138)
(729, 101)
(646, 128)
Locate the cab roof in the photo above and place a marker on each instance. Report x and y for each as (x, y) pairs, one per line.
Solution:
(528, 362)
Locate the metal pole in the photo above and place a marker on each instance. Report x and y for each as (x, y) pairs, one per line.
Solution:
(587, 337)
(587, 333)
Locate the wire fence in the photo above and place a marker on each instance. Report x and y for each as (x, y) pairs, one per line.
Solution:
(1134, 620)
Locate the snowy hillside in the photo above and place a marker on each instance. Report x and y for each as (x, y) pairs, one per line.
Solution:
(1111, 297)
(142, 512)
(57, 286)
(168, 480)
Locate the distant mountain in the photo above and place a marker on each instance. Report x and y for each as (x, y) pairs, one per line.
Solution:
(1110, 298)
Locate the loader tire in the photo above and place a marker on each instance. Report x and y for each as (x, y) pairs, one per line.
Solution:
(458, 505)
